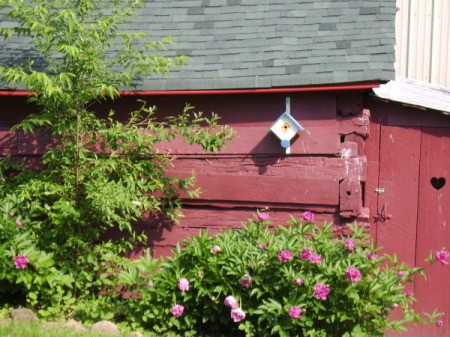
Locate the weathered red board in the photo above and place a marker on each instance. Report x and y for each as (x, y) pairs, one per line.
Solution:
(373, 167)
(397, 202)
(164, 237)
(269, 189)
(260, 140)
(251, 110)
(306, 167)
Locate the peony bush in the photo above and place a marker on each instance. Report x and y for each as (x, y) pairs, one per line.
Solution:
(297, 279)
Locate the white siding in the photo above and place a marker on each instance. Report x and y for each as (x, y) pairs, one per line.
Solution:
(423, 40)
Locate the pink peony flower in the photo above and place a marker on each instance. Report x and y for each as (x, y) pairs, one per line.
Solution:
(231, 302)
(352, 274)
(19, 223)
(315, 258)
(262, 216)
(216, 249)
(246, 280)
(261, 245)
(295, 312)
(21, 261)
(237, 314)
(401, 274)
(441, 256)
(306, 253)
(285, 255)
(321, 291)
(439, 323)
(350, 245)
(11, 213)
(372, 256)
(308, 216)
(299, 281)
(177, 310)
(183, 284)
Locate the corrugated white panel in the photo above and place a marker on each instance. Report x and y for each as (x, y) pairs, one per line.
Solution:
(440, 63)
(402, 26)
(423, 40)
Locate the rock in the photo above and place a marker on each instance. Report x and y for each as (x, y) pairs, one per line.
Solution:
(136, 334)
(5, 320)
(74, 325)
(105, 327)
(23, 314)
(52, 325)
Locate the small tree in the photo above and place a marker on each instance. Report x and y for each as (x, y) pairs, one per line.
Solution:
(97, 173)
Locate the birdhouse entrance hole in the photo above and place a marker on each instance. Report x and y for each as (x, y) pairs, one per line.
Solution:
(285, 127)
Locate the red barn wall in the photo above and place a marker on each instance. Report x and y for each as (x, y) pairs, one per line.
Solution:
(325, 172)
(353, 146)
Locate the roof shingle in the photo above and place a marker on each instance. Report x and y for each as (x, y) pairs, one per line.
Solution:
(262, 43)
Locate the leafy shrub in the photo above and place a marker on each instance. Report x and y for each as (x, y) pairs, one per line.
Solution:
(27, 272)
(294, 280)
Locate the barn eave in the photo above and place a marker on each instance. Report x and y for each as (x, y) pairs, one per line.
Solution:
(416, 93)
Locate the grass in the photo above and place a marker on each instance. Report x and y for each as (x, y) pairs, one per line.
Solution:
(37, 329)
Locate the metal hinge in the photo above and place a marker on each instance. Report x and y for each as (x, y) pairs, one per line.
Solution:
(383, 215)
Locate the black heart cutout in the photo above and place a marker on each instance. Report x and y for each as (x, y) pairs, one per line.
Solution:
(437, 183)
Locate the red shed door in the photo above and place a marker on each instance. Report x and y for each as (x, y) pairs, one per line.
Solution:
(398, 191)
(414, 213)
(433, 229)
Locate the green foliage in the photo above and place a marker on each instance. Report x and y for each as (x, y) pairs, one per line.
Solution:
(280, 275)
(98, 175)
(38, 329)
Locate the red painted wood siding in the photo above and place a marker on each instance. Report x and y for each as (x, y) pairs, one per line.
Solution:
(399, 175)
(328, 172)
(325, 172)
(433, 227)
(408, 147)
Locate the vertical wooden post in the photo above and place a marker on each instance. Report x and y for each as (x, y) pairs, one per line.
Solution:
(288, 111)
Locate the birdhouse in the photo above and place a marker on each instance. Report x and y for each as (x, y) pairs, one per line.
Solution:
(285, 128)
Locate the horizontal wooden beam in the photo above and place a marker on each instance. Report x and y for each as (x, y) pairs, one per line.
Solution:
(290, 190)
(316, 139)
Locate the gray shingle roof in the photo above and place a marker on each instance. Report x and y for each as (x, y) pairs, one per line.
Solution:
(262, 44)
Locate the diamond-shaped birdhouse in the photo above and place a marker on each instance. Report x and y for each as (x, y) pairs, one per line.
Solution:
(285, 128)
